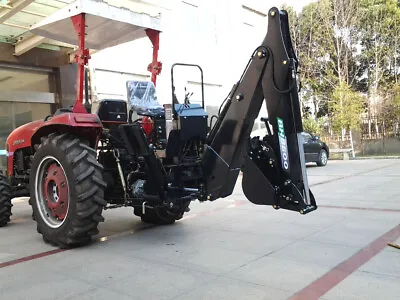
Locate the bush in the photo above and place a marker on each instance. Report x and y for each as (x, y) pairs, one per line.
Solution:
(312, 126)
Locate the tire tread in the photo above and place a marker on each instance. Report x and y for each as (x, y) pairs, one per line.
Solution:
(89, 187)
(5, 201)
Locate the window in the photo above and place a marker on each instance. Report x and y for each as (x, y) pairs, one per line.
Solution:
(212, 93)
(253, 29)
(24, 81)
(208, 33)
(111, 84)
(15, 114)
(252, 16)
(25, 95)
(306, 137)
(190, 19)
(198, 23)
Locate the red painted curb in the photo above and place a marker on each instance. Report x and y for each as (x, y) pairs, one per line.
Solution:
(31, 257)
(325, 283)
(106, 238)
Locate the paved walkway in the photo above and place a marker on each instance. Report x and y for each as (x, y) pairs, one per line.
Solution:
(229, 249)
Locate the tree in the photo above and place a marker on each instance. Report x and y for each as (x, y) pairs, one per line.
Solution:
(391, 109)
(346, 108)
(380, 30)
(313, 126)
(310, 41)
(347, 48)
(325, 37)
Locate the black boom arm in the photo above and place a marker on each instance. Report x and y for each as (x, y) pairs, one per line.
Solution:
(273, 168)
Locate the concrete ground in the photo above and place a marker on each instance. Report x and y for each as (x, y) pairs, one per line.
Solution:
(229, 249)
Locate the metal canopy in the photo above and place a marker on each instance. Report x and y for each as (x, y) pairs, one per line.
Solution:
(107, 25)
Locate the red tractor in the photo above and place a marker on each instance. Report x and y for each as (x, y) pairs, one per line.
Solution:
(74, 164)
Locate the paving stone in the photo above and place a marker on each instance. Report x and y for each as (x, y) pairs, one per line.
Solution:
(159, 281)
(279, 273)
(366, 286)
(385, 263)
(40, 285)
(231, 289)
(248, 251)
(99, 293)
(321, 254)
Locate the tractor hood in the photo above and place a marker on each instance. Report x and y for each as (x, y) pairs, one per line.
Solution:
(107, 25)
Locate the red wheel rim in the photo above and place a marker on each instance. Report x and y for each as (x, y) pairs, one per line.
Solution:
(52, 192)
(56, 191)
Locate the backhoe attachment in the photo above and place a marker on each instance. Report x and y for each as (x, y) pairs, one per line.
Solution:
(273, 166)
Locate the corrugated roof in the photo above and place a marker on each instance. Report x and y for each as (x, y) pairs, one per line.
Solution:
(17, 16)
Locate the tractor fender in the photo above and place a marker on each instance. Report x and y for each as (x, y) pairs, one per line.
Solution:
(86, 126)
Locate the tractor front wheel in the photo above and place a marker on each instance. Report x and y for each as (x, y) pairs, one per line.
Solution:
(67, 190)
(5, 201)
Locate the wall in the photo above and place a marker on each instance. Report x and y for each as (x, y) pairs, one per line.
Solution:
(25, 95)
(389, 146)
(385, 146)
(27, 88)
(40, 60)
(36, 57)
(220, 36)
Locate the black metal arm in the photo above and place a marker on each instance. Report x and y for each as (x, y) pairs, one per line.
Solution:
(273, 168)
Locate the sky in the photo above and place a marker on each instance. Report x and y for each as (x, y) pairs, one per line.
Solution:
(296, 4)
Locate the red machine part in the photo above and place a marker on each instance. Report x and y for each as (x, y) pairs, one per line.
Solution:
(86, 125)
(155, 66)
(79, 122)
(82, 57)
(55, 189)
(147, 125)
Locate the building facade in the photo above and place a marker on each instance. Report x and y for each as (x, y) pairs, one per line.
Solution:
(36, 76)
(219, 36)
(28, 89)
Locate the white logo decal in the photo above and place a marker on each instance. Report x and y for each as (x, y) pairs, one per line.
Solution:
(283, 144)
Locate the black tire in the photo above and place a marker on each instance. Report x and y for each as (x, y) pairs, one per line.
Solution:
(162, 215)
(73, 186)
(5, 201)
(30, 203)
(322, 158)
(158, 217)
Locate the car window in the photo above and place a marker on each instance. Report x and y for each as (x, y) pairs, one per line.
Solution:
(306, 137)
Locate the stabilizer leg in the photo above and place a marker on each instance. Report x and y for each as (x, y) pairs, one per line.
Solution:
(263, 182)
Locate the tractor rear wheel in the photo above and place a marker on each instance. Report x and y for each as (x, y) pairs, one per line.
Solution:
(67, 190)
(5, 201)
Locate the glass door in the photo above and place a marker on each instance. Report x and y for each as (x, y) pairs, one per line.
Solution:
(25, 95)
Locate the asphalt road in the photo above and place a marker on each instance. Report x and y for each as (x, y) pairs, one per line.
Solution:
(228, 249)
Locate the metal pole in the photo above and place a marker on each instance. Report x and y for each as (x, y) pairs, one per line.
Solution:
(352, 146)
(81, 57)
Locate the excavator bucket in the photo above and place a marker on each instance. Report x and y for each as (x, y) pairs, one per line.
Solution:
(274, 171)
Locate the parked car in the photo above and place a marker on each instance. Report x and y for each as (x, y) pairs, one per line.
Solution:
(315, 150)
